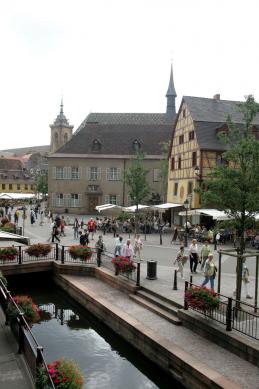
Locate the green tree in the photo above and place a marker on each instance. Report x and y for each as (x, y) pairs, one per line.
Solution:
(164, 168)
(136, 180)
(41, 184)
(234, 185)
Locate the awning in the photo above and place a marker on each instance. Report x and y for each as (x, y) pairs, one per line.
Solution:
(16, 196)
(108, 207)
(17, 238)
(166, 206)
(133, 208)
(214, 213)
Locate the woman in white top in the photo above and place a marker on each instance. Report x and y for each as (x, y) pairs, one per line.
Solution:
(137, 246)
(193, 252)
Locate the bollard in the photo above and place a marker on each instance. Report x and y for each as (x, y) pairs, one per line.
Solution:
(138, 274)
(62, 254)
(191, 279)
(175, 280)
(185, 301)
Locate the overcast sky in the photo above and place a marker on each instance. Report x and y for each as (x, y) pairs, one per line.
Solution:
(115, 55)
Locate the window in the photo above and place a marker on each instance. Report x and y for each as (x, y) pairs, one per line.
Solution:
(25, 187)
(32, 187)
(65, 138)
(179, 163)
(181, 139)
(3, 186)
(156, 175)
(113, 174)
(219, 160)
(58, 200)
(191, 135)
(93, 188)
(74, 200)
(172, 164)
(190, 185)
(10, 186)
(112, 199)
(75, 173)
(136, 145)
(59, 173)
(194, 158)
(96, 145)
(94, 173)
(18, 187)
(184, 113)
(175, 188)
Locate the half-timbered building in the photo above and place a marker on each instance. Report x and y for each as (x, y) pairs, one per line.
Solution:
(195, 146)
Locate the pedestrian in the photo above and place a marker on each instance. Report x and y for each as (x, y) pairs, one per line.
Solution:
(41, 218)
(55, 232)
(81, 239)
(32, 216)
(76, 227)
(137, 246)
(127, 250)
(82, 223)
(91, 227)
(205, 250)
(180, 261)
(209, 272)
(118, 246)
(100, 248)
(193, 252)
(62, 226)
(245, 280)
(86, 236)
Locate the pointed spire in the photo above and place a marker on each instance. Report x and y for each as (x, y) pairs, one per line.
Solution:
(61, 106)
(170, 96)
(171, 89)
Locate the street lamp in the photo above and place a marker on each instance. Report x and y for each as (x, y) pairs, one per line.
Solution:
(186, 206)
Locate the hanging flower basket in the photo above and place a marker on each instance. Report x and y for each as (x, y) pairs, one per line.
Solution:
(201, 298)
(65, 374)
(26, 305)
(38, 250)
(8, 253)
(82, 252)
(123, 265)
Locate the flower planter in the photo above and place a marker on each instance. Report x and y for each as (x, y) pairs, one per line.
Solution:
(26, 305)
(38, 250)
(8, 253)
(123, 265)
(82, 252)
(202, 299)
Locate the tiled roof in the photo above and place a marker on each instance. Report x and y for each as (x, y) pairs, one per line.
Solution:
(212, 110)
(10, 164)
(117, 132)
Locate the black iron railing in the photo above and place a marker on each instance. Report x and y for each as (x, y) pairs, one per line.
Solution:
(234, 314)
(65, 257)
(28, 345)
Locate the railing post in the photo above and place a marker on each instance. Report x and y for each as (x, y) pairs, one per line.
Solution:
(160, 233)
(191, 280)
(21, 334)
(219, 272)
(185, 301)
(20, 255)
(39, 358)
(8, 297)
(138, 274)
(229, 315)
(57, 252)
(63, 254)
(175, 280)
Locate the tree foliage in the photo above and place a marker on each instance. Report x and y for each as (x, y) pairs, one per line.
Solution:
(41, 184)
(136, 179)
(234, 185)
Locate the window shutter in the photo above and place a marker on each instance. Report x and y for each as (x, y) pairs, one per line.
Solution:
(67, 199)
(119, 173)
(54, 172)
(88, 170)
(107, 175)
(99, 172)
(118, 200)
(69, 174)
(106, 199)
(80, 200)
(79, 172)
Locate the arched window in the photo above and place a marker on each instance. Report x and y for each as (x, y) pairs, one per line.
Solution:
(96, 145)
(136, 145)
(65, 138)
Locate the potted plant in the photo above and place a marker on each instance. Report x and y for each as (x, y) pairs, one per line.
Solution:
(202, 299)
(8, 227)
(64, 373)
(8, 253)
(38, 250)
(26, 305)
(82, 252)
(123, 265)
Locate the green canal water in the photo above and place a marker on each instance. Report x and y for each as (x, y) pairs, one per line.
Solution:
(68, 330)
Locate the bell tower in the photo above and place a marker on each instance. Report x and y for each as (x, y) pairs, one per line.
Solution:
(61, 131)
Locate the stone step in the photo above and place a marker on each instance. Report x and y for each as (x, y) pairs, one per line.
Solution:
(159, 300)
(169, 316)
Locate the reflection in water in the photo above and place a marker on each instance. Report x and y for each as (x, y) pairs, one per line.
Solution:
(68, 330)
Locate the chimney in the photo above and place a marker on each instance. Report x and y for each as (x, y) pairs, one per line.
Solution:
(216, 97)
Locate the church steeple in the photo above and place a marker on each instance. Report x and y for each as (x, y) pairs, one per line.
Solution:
(61, 130)
(171, 95)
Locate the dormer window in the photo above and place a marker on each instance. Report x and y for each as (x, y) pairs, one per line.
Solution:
(136, 145)
(96, 145)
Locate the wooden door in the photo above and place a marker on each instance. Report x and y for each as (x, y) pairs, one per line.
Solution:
(93, 202)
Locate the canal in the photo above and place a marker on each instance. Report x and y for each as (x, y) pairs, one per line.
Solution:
(68, 330)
